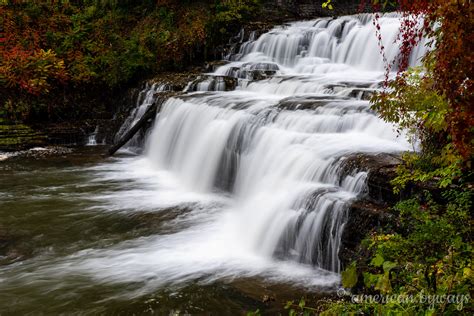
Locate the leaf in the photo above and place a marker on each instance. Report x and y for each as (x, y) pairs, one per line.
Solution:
(383, 283)
(327, 4)
(302, 303)
(254, 313)
(349, 276)
(388, 265)
(377, 261)
(430, 312)
(467, 273)
(370, 280)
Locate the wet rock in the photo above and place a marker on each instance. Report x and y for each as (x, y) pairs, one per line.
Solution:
(381, 168)
(370, 211)
(68, 133)
(373, 209)
(213, 83)
(259, 71)
(363, 216)
(267, 299)
(37, 153)
(230, 83)
(15, 137)
(144, 123)
(305, 103)
(175, 82)
(257, 75)
(262, 66)
(253, 71)
(361, 93)
(178, 81)
(213, 65)
(357, 84)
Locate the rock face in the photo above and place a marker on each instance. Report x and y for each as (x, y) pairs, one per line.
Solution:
(144, 122)
(19, 136)
(174, 82)
(214, 83)
(363, 217)
(381, 169)
(73, 129)
(371, 211)
(68, 133)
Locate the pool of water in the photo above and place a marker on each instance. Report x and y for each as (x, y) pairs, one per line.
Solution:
(86, 234)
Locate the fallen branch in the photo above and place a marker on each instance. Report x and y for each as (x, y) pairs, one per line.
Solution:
(149, 114)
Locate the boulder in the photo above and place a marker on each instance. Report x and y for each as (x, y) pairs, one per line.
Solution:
(363, 216)
(381, 168)
(371, 210)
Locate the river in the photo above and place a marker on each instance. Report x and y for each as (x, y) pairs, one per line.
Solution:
(232, 196)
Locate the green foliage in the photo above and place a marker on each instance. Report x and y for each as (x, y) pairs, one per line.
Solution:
(98, 43)
(443, 168)
(349, 276)
(254, 313)
(430, 256)
(413, 104)
(299, 308)
(234, 11)
(417, 109)
(230, 15)
(423, 257)
(327, 4)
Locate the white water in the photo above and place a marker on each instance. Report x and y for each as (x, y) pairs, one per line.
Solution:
(92, 138)
(275, 145)
(258, 168)
(145, 99)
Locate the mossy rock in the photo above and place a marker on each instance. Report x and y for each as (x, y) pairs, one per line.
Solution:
(19, 136)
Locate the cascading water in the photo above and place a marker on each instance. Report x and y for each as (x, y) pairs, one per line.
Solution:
(246, 184)
(276, 144)
(145, 99)
(92, 138)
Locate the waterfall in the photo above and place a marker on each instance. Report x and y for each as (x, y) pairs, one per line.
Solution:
(92, 137)
(275, 144)
(145, 98)
(238, 186)
(242, 187)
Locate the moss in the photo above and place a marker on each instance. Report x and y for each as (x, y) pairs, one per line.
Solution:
(19, 136)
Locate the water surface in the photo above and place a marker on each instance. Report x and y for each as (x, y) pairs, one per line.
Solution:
(87, 235)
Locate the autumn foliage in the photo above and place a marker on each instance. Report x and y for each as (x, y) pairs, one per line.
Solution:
(449, 23)
(34, 72)
(51, 47)
(426, 246)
